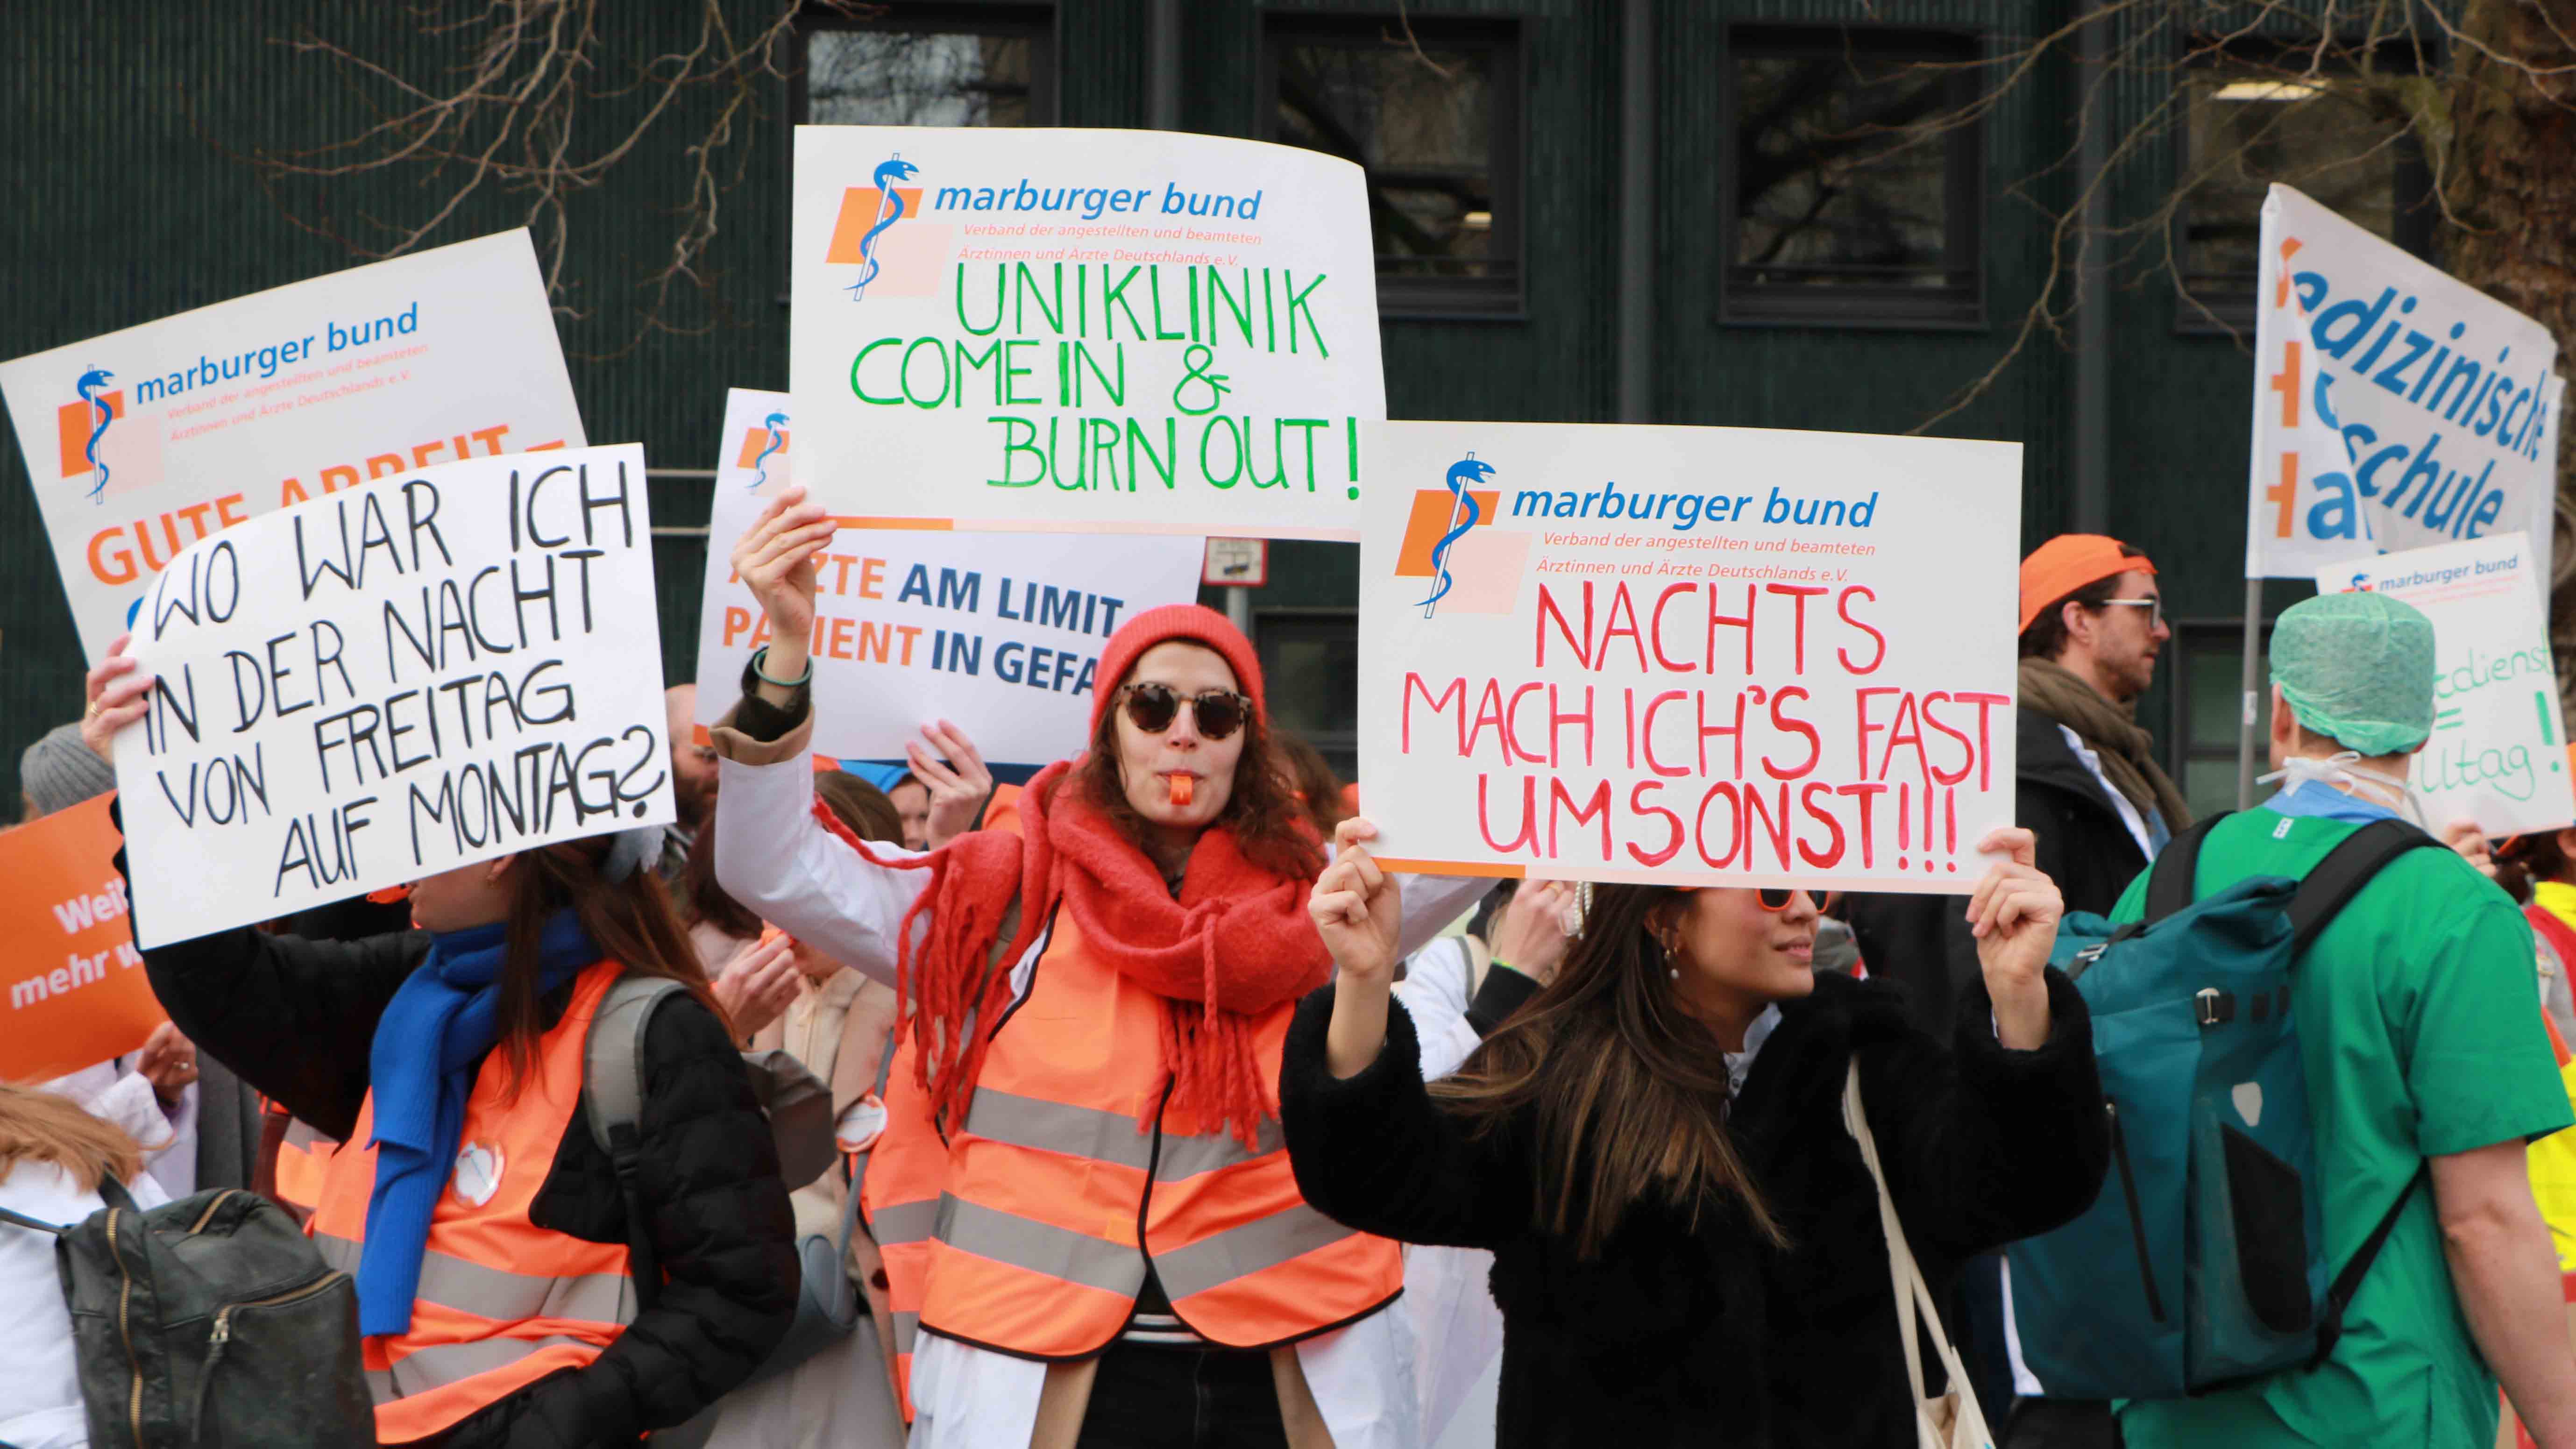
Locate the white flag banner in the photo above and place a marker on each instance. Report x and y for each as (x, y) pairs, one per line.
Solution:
(417, 673)
(2498, 754)
(998, 632)
(141, 442)
(1084, 330)
(1722, 656)
(2395, 406)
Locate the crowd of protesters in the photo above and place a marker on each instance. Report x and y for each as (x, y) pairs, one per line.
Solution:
(1163, 1115)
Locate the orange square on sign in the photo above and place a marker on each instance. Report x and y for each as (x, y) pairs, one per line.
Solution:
(1429, 521)
(753, 441)
(858, 213)
(73, 423)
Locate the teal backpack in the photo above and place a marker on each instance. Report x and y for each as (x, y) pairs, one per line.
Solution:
(2199, 1264)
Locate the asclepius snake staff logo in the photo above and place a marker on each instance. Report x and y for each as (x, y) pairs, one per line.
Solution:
(889, 211)
(1465, 471)
(773, 423)
(92, 383)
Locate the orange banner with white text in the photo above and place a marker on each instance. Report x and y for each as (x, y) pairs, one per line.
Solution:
(72, 981)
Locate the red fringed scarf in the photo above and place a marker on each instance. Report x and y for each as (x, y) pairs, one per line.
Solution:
(1235, 944)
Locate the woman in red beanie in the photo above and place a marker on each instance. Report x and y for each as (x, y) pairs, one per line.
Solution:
(1090, 1228)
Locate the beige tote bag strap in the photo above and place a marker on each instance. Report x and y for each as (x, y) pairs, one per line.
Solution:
(1966, 1426)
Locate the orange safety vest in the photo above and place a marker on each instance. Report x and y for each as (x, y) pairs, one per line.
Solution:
(502, 1302)
(303, 1156)
(1029, 1230)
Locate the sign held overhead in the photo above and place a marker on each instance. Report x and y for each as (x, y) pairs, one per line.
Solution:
(418, 673)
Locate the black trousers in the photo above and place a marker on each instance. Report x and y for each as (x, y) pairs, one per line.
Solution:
(1156, 1397)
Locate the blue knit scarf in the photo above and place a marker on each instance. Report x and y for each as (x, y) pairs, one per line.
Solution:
(429, 1045)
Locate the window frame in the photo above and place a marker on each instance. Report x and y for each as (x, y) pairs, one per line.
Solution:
(2205, 634)
(1272, 623)
(1038, 22)
(1443, 299)
(1887, 308)
(2412, 210)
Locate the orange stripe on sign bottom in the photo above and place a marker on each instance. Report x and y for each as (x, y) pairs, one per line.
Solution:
(1449, 867)
(926, 525)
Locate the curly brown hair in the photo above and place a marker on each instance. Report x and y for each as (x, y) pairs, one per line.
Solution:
(1269, 826)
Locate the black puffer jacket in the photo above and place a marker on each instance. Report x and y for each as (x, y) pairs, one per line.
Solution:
(296, 1019)
(1683, 1333)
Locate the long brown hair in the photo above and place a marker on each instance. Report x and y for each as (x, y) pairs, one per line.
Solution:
(1269, 826)
(1312, 777)
(630, 921)
(41, 1127)
(1629, 1089)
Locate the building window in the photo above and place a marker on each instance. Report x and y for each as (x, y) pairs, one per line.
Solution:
(1434, 120)
(958, 66)
(2207, 703)
(1310, 669)
(1854, 191)
(2255, 117)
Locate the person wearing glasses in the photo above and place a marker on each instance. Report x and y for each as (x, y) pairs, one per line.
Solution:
(1090, 1229)
(1687, 1244)
(2088, 785)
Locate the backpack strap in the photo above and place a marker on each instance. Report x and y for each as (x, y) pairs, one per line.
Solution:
(2172, 882)
(2346, 1283)
(22, 1220)
(2345, 870)
(612, 1075)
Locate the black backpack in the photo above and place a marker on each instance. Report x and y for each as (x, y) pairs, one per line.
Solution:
(209, 1321)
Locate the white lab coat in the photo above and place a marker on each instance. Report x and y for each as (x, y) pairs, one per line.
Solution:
(40, 1397)
(774, 858)
(114, 1090)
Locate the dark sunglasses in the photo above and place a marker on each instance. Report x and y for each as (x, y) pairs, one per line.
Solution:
(1772, 899)
(1219, 712)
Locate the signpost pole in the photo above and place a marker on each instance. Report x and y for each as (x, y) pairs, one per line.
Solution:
(2251, 682)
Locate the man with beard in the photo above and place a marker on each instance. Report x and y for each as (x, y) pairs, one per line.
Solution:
(2087, 783)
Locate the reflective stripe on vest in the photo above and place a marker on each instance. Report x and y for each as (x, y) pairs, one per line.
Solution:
(900, 1194)
(1036, 1249)
(502, 1302)
(489, 1292)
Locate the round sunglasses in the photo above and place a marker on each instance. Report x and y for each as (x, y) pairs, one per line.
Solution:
(1217, 712)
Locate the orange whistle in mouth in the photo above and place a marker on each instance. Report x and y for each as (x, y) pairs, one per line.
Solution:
(1183, 787)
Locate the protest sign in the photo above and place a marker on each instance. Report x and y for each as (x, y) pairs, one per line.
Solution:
(1112, 331)
(1000, 633)
(423, 671)
(1718, 656)
(2498, 754)
(144, 441)
(76, 988)
(2395, 407)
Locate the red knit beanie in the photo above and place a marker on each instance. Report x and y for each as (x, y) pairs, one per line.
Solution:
(1189, 623)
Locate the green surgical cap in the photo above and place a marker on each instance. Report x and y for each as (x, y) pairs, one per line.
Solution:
(2358, 668)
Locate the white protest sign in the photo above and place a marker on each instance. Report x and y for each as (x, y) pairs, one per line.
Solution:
(2498, 754)
(999, 633)
(2395, 407)
(1110, 331)
(141, 442)
(1689, 655)
(417, 673)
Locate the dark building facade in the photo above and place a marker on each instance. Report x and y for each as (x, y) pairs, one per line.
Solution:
(1816, 214)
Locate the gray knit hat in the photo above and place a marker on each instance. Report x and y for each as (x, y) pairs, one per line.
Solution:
(59, 771)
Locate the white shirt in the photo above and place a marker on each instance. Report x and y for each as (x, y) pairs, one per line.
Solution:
(114, 1090)
(774, 858)
(40, 1398)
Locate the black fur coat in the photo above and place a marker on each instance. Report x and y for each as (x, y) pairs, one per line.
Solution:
(1683, 1333)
